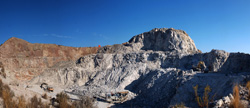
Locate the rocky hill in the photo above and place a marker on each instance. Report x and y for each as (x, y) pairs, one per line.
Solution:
(163, 39)
(24, 60)
(157, 67)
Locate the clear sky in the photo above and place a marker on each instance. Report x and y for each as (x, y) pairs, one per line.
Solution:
(212, 24)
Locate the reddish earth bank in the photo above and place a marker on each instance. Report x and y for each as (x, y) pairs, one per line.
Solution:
(25, 60)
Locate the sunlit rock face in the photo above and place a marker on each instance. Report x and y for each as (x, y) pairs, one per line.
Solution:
(24, 60)
(156, 67)
(165, 40)
(162, 39)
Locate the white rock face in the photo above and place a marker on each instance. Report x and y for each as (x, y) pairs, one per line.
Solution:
(156, 40)
(226, 100)
(219, 103)
(164, 40)
(156, 67)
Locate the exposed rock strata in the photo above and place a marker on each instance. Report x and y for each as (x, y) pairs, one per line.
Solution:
(25, 60)
(155, 75)
(156, 40)
(157, 78)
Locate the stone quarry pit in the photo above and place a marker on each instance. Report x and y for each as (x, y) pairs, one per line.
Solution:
(155, 67)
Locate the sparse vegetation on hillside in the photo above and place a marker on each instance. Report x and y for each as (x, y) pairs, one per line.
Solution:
(7, 95)
(5, 88)
(21, 102)
(204, 101)
(248, 87)
(2, 71)
(8, 102)
(35, 102)
(85, 102)
(236, 101)
(62, 99)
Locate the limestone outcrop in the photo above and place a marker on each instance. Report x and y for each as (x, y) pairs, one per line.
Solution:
(156, 79)
(162, 39)
(237, 62)
(156, 67)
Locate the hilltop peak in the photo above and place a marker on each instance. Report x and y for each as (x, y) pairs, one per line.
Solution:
(167, 29)
(165, 39)
(14, 40)
(157, 39)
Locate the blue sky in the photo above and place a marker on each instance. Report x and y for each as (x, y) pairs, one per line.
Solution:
(212, 24)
